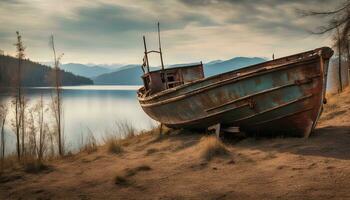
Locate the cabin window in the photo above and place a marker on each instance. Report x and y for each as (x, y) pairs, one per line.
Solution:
(170, 77)
(160, 80)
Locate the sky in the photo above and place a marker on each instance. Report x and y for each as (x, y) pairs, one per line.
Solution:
(110, 31)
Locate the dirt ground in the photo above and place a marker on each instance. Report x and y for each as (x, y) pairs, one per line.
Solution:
(172, 168)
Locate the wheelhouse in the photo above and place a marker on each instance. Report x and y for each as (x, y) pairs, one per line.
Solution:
(160, 80)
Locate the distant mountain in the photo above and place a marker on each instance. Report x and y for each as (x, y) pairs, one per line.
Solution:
(127, 75)
(130, 74)
(85, 70)
(214, 62)
(46, 63)
(35, 74)
(112, 66)
(213, 68)
(181, 65)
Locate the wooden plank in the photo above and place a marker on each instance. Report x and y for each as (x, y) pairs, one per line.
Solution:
(232, 129)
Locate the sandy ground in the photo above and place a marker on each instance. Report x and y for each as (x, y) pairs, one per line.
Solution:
(172, 168)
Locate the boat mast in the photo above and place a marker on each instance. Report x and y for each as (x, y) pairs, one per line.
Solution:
(160, 48)
(147, 52)
(146, 57)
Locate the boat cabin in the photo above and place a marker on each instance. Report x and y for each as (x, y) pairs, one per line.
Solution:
(163, 79)
(160, 80)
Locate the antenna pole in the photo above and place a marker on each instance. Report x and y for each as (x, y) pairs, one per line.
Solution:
(144, 44)
(160, 48)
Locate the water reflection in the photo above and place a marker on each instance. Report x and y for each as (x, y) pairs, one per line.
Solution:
(95, 108)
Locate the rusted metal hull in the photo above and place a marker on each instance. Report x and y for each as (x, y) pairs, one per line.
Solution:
(283, 96)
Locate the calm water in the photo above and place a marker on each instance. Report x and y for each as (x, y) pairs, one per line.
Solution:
(95, 108)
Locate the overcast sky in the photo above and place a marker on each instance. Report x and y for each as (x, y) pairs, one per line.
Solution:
(106, 31)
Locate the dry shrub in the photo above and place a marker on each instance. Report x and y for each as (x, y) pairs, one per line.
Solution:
(122, 135)
(114, 146)
(9, 162)
(125, 129)
(33, 165)
(89, 144)
(210, 147)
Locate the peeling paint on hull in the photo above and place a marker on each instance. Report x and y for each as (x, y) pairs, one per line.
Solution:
(282, 96)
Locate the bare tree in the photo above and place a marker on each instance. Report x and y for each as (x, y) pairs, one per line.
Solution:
(338, 25)
(336, 18)
(338, 45)
(57, 101)
(23, 117)
(19, 99)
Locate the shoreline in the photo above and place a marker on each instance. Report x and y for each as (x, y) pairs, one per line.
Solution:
(173, 166)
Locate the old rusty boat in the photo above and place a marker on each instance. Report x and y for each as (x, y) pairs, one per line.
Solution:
(281, 96)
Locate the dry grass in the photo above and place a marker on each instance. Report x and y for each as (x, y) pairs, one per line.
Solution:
(159, 132)
(88, 144)
(28, 163)
(335, 110)
(125, 134)
(125, 129)
(89, 148)
(179, 164)
(32, 165)
(114, 146)
(122, 135)
(9, 162)
(210, 147)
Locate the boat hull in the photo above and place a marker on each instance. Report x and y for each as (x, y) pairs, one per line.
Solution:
(284, 96)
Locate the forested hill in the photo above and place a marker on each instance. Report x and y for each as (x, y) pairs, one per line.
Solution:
(35, 74)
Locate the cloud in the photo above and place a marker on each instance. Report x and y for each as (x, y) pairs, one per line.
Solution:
(112, 19)
(111, 31)
(266, 16)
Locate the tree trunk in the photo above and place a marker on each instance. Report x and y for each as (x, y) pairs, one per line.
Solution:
(57, 106)
(22, 124)
(348, 60)
(17, 130)
(17, 111)
(3, 138)
(58, 112)
(339, 62)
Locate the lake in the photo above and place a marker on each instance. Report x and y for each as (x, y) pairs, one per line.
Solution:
(86, 109)
(96, 109)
